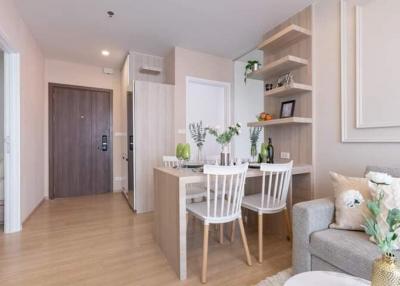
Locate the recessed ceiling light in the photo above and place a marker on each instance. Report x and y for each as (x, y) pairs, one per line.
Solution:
(105, 53)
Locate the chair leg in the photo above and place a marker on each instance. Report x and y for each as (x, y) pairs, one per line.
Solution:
(233, 230)
(221, 233)
(205, 254)
(260, 238)
(288, 224)
(244, 239)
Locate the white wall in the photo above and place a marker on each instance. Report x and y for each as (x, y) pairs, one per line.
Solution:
(1, 130)
(331, 154)
(32, 105)
(248, 102)
(89, 76)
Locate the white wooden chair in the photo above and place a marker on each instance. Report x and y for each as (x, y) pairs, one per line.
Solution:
(170, 161)
(272, 198)
(221, 209)
(193, 191)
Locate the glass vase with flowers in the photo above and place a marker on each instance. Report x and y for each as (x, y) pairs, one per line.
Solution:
(224, 139)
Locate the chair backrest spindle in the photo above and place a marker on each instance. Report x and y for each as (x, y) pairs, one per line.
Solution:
(170, 161)
(279, 176)
(223, 204)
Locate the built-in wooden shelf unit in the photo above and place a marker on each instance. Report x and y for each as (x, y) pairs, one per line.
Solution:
(285, 37)
(281, 121)
(288, 48)
(289, 90)
(278, 67)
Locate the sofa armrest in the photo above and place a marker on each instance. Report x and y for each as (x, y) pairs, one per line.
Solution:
(309, 217)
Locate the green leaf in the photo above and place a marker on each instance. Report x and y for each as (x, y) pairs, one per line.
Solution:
(371, 227)
(393, 219)
(374, 207)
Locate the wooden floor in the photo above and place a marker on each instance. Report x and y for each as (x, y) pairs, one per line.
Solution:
(98, 241)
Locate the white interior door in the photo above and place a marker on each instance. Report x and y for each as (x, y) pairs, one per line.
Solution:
(207, 101)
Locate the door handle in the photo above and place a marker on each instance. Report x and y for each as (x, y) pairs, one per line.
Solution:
(104, 143)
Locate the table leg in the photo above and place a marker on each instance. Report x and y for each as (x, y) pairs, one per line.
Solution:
(170, 220)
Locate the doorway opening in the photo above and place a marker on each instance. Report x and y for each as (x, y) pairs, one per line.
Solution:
(10, 145)
(207, 101)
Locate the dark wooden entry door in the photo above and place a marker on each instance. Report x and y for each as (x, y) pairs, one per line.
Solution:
(80, 141)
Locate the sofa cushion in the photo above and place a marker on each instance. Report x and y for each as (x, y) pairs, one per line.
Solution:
(351, 197)
(394, 172)
(350, 251)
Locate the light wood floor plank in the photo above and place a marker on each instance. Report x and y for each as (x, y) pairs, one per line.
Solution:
(97, 241)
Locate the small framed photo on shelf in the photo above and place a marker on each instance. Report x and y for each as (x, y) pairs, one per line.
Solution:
(287, 109)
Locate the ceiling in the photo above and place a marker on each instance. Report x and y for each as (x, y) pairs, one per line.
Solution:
(77, 30)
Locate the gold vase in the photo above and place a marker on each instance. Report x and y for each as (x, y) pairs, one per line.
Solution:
(386, 272)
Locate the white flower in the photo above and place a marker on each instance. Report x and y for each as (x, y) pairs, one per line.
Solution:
(351, 198)
(239, 124)
(379, 178)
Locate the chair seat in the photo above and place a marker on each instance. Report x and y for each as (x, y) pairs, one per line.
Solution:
(253, 202)
(199, 191)
(199, 210)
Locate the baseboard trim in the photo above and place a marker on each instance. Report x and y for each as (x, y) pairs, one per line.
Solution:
(33, 211)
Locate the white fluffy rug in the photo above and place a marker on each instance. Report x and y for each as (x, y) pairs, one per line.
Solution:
(278, 279)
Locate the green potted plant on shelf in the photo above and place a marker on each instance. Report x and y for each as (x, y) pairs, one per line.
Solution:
(251, 67)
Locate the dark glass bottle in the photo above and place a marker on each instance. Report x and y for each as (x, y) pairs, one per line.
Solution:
(270, 152)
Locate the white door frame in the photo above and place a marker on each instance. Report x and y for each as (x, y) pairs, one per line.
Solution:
(12, 178)
(228, 102)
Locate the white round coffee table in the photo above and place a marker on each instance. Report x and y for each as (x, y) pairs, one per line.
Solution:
(325, 278)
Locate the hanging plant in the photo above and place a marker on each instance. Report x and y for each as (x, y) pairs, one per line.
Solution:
(250, 67)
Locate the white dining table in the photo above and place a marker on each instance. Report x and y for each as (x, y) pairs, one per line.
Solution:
(170, 210)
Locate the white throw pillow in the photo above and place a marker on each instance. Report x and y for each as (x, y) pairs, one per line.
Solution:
(391, 200)
(351, 197)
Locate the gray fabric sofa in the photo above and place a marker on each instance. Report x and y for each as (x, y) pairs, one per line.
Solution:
(316, 247)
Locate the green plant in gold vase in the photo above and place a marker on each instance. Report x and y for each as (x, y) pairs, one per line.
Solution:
(386, 271)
